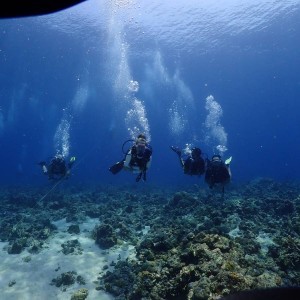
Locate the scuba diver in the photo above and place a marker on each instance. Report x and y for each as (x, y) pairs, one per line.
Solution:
(57, 168)
(137, 159)
(194, 164)
(218, 172)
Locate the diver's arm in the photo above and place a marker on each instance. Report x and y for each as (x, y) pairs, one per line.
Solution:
(181, 160)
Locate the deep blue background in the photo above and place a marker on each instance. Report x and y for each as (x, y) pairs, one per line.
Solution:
(253, 72)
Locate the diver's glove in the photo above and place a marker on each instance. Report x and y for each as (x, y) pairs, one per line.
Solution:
(71, 162)
(228, 161)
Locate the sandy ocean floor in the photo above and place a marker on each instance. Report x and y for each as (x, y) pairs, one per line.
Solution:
(32, 279)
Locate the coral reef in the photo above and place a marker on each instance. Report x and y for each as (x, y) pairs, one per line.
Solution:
(189, 243)
(80, 294)
(71, 247)
(67, 278)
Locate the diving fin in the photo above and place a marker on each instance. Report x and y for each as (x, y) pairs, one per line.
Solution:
(116, 168)
(228, 161)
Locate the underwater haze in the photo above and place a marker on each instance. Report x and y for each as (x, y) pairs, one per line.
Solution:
(84, 82)
(222, 75)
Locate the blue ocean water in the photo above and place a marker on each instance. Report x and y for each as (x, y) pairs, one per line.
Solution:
(221, 75)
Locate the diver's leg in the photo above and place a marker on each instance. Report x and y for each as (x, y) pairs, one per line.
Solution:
(144, 176)
(138, 178)
(223, 191)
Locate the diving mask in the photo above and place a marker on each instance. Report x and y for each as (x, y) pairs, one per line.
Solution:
(140, 147)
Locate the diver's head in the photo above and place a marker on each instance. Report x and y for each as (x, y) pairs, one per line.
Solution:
(142, 136)
(140, 146)
(196, 153)
(216, 158)
(59, 157)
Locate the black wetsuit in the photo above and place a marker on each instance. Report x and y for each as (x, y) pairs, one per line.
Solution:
(57, 168)
(140, 162)
(194, 166)
(216, 172)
